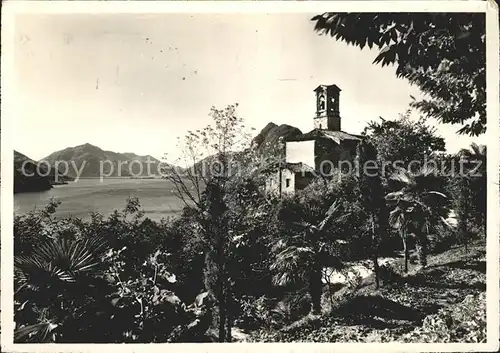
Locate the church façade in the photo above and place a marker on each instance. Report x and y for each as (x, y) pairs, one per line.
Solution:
(315, 153)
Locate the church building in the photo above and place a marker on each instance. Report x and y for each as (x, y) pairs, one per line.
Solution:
(318, 152)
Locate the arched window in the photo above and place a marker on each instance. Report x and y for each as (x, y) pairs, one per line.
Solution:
(322, 103)
(332, 103)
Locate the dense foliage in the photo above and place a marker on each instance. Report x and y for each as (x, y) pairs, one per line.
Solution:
(240, 264)
(403, 141)
(443, 54)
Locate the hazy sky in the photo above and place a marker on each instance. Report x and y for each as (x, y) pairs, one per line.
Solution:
(133, 83)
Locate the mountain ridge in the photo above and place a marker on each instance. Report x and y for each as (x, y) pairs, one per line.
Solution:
(86, 160)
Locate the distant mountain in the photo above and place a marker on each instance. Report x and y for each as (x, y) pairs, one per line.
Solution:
(90, 158)
(26, 176)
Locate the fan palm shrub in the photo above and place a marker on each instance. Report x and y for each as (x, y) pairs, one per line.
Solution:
(302, 254)
(418, 206)
(53, 286)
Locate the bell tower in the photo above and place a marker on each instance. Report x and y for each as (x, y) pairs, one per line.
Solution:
(327, 108)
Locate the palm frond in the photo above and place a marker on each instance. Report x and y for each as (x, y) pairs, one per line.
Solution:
(403, 177)
(394, 197)
(397, 218)
(58, 260)
(475, 148)
(437, 193)
(278, 245)
(332, 211)
(290, 263)
(464, 153)
(475, 152)
(39, 333)
(303, 225)
(427, 170)
(446, 223)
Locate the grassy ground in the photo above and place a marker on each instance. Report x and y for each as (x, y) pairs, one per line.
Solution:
(443, 302)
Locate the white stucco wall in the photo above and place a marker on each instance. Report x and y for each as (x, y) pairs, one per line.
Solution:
(273, 183)
(300, 152)
(287, 175)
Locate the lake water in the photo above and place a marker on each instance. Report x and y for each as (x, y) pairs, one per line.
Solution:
(91, 195)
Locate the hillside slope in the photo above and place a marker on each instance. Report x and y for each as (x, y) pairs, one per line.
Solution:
(26, 177)
(443, 302)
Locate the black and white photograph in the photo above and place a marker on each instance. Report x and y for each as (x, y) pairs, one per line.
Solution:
(200, 176)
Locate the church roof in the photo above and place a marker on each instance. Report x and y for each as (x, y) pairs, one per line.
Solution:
(321, 87)
(337, 136)
(299, 167)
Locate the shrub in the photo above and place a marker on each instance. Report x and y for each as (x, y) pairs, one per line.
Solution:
(464, 322)
(129, 296)
(389, 273)
(255, 312)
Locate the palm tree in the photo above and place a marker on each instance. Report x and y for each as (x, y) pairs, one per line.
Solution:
(476, 152)
(398, 219)
(419, 205)
(472, 182)
(53, 279)
(301, 256)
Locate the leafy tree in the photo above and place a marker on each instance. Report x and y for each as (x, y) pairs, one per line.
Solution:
(442, 53)
(372, 199)
(208, 153)
(419, 206)
(301, 256)
(252, 228)
(403, 140)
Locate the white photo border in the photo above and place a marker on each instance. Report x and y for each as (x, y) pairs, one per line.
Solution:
(12, 8)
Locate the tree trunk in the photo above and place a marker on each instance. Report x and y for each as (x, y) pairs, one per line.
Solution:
(229, 317)
(404, 238)
(222, 321)
(330, 288)
(222, 292)
(463, 212)
(376, 268)
(422, 247)
(229, 337)
(406, 250)
(315, 289)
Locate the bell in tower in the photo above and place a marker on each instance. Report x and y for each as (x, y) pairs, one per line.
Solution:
(327, 108)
